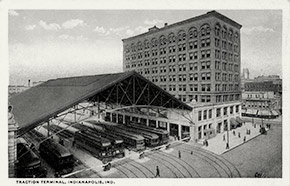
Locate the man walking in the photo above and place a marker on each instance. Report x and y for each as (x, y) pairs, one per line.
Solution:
(157, 172)
(179, 154)
(227, 146)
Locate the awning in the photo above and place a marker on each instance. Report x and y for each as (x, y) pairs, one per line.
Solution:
(239, 120)
(233, 122)
(265, 113)
(208, 130)
(251, 111)
(274, 112)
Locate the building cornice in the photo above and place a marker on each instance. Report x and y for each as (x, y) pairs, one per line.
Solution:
(203, 16)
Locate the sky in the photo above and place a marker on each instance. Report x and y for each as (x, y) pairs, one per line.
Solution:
(48, 44)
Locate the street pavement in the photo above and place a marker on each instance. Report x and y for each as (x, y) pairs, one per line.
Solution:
(263, 154)
(193, 162)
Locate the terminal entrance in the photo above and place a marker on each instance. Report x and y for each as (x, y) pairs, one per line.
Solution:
(184, 132)
(173, 129)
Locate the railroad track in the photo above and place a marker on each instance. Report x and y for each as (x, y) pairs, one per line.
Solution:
(227, 167)
(135, 165)
(224, 161)
(170, 155)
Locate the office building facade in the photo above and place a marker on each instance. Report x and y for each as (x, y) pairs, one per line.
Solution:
(196, 60)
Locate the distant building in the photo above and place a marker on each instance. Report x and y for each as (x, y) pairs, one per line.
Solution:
(15, 89)
(262, 97)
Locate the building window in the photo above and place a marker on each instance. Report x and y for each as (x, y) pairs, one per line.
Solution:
(237, 108)
(209, 113)
(204, 114)
(231, 109)
(199, 115)
(225, 111)
(218, 112)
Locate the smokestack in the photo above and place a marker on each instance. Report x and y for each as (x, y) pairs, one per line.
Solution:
(29, 83)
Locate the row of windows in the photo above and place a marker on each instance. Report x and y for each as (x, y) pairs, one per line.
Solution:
(192, 45)
(199, 98)
(204, 65)
(182, 36)
(227, 56)
(226, 110)
(181, 57)
(226, 77)
(224, 98)
(226, 66)
(195, 87)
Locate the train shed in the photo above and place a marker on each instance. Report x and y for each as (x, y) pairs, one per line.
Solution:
(126, 92)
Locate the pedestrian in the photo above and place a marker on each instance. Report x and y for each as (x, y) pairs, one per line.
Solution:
(249, 132)
(191, 152)
(56, 175)
(239, 135)
(255, 125)
(73, 143)
(269, 126)
(179, 154)
(157, 172)
(206, 143)
(244, 138)
(224, 137)
(227, 146)
(234, 133)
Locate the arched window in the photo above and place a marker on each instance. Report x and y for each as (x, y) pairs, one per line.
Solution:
(236, 37)
(133, 49)
(154, 42)
(217, 29)
(230, 34)
(205, 30)
(192, 33)
(146, 44)
(162, 40)
(139, 46)
(181, 35)
(171, 38)
(224, 32)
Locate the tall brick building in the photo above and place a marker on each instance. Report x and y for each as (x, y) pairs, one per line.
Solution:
(197, 60)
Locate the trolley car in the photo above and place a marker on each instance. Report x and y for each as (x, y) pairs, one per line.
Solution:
(131, 140)
(57, 156)
(162, 134)
(151, 140)
(117, 142)
(28, 164)
(98, 146)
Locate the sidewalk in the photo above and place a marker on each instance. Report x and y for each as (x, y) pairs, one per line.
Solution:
(217, 144)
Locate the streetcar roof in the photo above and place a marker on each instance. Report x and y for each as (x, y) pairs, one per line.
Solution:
(60, 150)
(38, 104)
